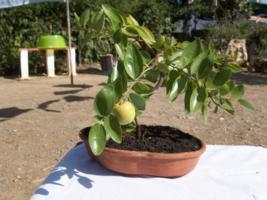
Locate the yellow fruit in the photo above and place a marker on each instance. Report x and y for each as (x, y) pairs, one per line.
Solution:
(125, 112)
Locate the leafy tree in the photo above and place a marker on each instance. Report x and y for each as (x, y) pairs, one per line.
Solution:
(145, 62)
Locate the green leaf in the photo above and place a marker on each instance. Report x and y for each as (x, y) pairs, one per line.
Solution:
(114, 15)
(175, 85)
(205, 68)
(113, 128)
(237, 92)
(120, 84)
(97, 139)
(137, 112)
(175, 56)
(138, 101)
(185, 44)
(162, 67)
(221, 77)
(198, 62)
(173, 92)
(142, 88)
(227, 105)
(209, 82)
(97, 22)
(129, 31)
(85, 16)
(145, 34)
(188, 93)
(145, 56)
(182, 83)
(194, 103)
(204, 112)
(131, 21)
(133, 62)
(152, 75)
(191, 50)
(123, 75)
(128, 128)
(234, 68)
(114, 75)
(172, 85)
(246, 104)
(194, 97)
(119, 51)
(118, 88)
(202, 95)
(77, 18)
(105, 100)
(226, 88)
(120, 38)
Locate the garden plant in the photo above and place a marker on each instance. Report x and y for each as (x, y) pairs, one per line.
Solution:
(146, 63)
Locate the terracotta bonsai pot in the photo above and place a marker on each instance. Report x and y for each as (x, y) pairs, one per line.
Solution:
(145, 163)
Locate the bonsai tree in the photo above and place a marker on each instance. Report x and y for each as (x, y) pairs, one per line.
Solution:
(145, 64)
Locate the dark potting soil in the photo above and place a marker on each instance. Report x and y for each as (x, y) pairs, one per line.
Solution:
(158, 139)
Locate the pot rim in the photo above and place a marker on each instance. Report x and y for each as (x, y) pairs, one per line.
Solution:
(156, 155)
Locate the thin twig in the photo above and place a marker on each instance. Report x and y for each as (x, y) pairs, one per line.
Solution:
(138, 132)
(159, 82)
(215, 102)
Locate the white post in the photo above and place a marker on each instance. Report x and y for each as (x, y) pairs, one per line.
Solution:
(24, 64)
(73, 61)
(50, 63)
(69, 43)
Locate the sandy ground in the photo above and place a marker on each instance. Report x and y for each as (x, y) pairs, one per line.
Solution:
(40, 119)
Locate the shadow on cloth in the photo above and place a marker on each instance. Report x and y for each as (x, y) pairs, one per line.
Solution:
(76, 164)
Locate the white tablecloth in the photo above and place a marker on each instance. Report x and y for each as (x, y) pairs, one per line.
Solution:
(223, 173)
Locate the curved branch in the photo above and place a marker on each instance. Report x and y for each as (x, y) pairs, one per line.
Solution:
(159, 82)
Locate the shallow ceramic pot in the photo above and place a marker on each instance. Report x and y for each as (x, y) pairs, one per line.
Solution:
(145, 163)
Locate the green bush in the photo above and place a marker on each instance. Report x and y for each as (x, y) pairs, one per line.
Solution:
(259, 38)
(221, 33)
(21, 26)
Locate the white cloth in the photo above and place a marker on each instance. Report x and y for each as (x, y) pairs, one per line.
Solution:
(223, 173)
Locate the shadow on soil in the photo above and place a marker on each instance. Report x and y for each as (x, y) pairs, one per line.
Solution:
(102, 84)
(8, 113)
(82, 86)
(91, 70)
(73, 98)
(44, 106)
(251, 78)
(68, 92)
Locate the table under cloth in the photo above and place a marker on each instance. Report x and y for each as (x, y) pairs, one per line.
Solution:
(223, 173)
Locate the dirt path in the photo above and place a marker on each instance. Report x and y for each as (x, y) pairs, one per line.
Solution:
(40, 119)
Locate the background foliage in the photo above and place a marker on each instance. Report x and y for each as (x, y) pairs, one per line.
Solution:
(21, 26)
